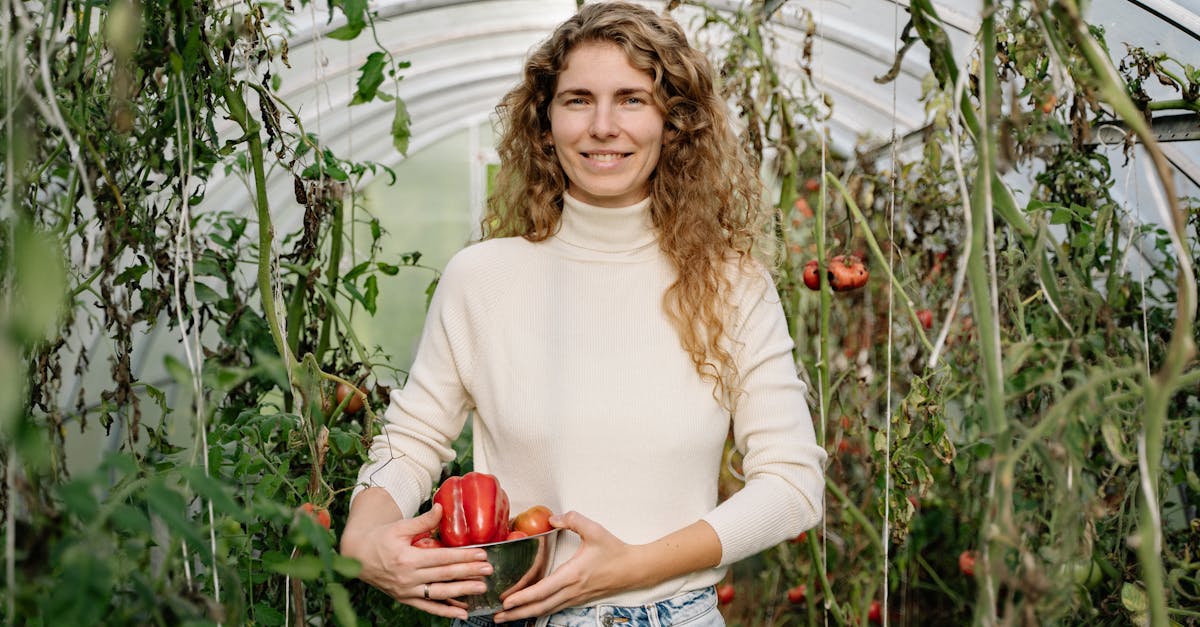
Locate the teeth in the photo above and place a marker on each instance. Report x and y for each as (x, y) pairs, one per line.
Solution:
(604, 157)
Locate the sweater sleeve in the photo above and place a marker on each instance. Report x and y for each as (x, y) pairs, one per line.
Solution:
(425, 416)
(773, 429)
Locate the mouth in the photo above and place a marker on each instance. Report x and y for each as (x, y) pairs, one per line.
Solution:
(605, 157)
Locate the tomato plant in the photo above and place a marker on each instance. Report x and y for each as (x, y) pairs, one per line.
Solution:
(796, 594)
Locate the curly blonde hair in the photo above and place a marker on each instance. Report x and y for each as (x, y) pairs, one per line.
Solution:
(706, 196)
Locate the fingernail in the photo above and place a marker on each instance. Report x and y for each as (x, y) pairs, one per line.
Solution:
(481, 556)
(486, 569)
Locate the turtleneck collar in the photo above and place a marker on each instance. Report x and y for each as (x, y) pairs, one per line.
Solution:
(606, 229)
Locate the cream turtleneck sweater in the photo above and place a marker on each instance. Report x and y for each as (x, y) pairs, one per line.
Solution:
(583, 398)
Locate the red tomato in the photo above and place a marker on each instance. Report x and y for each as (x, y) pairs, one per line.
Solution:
(1049, 103)
(803, 537)
(516, 535)
(803, 209)
(319, 514)
(812, 185)
(426, 541)
(847, 272)
(474, 510)
(355, 404)
(926, 318)
(796, 595)
(725, 593)
(966, 563)
(534, 520)
(812, 278)
(875, 612)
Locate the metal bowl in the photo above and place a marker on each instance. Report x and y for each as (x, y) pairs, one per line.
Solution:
(516, 565)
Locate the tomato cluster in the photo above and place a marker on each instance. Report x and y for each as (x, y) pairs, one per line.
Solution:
(845, 272)
(475, 511)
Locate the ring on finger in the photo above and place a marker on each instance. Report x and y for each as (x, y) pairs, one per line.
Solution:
(427, 591)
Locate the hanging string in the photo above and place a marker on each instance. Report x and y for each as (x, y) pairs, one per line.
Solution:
(821, 372)
(184, 267)
(887, 449)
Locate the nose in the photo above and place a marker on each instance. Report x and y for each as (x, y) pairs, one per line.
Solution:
(604, 122)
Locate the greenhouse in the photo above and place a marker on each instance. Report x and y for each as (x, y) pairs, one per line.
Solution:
(241, 238)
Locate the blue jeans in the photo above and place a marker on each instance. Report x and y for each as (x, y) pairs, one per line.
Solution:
(697, 608)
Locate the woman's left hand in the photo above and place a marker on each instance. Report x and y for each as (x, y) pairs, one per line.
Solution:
(599, 568)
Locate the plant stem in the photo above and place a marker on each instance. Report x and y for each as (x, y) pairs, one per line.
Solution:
(266, 230)
(335, 261)
(996, 523)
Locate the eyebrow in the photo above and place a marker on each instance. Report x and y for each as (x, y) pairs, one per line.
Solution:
(580, 91)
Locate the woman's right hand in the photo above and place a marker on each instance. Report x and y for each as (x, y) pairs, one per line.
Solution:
(425, 578)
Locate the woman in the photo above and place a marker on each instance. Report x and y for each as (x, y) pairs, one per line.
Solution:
(606, 333)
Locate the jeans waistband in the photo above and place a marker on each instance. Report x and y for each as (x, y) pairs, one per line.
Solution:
(678, 609)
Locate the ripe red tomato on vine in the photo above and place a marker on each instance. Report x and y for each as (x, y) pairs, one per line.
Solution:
(926, 318)
(318, 514)
(355, 404)
(875, 612)
(966, 563)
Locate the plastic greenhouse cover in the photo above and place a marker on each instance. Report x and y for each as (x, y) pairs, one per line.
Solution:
(464, 55)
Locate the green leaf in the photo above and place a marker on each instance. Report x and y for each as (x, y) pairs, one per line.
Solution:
(400, 128)
(342, 610)
(371, 294)
(40, 281)
(78, 497)
(214, 491)
(343, 441)
(264, 614)
(370, 78)
(171, 508)
(429, 291)
(206, 294)
(177, 369)
(387, 268)
(1134, 598)
(346, 566)
(126, 517)
(1061, 216)
(345, 33)
(131, 274)
(355, 272)
(306, 567)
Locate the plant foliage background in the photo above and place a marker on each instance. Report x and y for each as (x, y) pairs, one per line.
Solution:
(1045, 420)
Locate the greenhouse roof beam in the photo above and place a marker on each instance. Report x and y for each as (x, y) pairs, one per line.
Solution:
(1166, 128)
(1184, 20)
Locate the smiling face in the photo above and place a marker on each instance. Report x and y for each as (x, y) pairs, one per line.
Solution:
(606, 129)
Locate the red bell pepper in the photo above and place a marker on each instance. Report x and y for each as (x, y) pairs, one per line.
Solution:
(474, 510)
